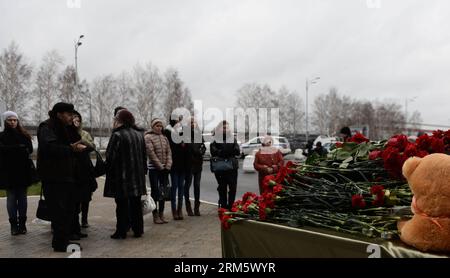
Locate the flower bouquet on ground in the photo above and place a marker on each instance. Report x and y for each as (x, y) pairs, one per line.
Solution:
(357, 188)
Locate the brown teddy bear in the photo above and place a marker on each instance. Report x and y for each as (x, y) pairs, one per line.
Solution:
(429, 179)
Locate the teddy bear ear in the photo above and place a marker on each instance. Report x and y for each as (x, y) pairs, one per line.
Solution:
(410, 166)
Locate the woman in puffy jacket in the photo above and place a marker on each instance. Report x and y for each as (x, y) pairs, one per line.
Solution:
(159, 164)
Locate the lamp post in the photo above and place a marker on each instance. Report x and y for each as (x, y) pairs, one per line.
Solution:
(77, 44)
(406, 111)
(308, 84)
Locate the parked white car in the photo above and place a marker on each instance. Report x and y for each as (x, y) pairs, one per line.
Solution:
(247, 165)
(255, 144)
(326, 141)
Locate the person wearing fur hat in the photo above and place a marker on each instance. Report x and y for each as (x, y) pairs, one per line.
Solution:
(58, 142)
(15, 170)
(159, 164)
(126, 167)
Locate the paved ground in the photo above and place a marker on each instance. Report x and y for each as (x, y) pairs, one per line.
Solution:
(194, 237)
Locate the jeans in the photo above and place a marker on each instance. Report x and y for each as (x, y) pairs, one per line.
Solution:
(157, 178)
(187, 186)
(178, 179)
(16, 202)
(227, 184)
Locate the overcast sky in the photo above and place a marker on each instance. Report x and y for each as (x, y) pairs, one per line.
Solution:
(368, 49)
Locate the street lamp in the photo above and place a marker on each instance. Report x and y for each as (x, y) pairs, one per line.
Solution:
(308, 84)
(406, 111)
(77, 44)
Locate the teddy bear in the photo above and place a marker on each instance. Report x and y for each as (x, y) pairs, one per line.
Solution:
(429, 180)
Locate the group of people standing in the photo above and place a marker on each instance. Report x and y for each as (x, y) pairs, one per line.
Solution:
(63, 166)
(68, 176)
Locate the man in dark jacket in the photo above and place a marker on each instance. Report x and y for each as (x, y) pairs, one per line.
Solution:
(57, 145)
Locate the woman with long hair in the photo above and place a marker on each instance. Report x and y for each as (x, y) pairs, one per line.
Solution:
(225, 147)
(16, 170)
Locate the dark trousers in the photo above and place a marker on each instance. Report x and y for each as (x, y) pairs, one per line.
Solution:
(59, 197)
(84, 212)
(129, 210)
(157, 178)
(76, 227)
(227, 184)
(16, 202)
(196, 177)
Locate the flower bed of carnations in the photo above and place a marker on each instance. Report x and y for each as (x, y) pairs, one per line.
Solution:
(357, 188)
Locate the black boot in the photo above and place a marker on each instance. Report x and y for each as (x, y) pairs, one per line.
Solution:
(197, 208)
(22, 226)
(180, 212)
(14, 227)
(189, 208)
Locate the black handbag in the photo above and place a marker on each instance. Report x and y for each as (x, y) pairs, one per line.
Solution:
(43, 211)
(100, 165)
(165, 189)
(219, 164)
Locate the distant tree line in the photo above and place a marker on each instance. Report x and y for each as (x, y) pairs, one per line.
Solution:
(330, 112)
(33, 90)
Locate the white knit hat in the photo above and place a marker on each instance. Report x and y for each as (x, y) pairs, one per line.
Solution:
(155, 121)
(9, 114)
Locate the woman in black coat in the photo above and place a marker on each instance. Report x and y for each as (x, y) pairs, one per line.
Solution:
(126, 166)
(225, 146)
(16, 171)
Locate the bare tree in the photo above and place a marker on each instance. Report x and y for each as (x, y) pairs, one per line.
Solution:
(176, 96)
(104, 99)
(291, 111)
(330, 112)
(45, 93)
(148, 86)
(125, 89)
(15, 75)
(252, 95)
(415, 121)
(67, 88)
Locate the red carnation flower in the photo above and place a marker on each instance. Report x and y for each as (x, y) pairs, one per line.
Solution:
(398, 141)
(339, 145)
(437, 145)
(411, 150)
(358, 138)
(375, 154)
(376, 189)
(423, 142)
(262, 211)
(358, 201)
(277, 189)
(439, 134)
(225, 224)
